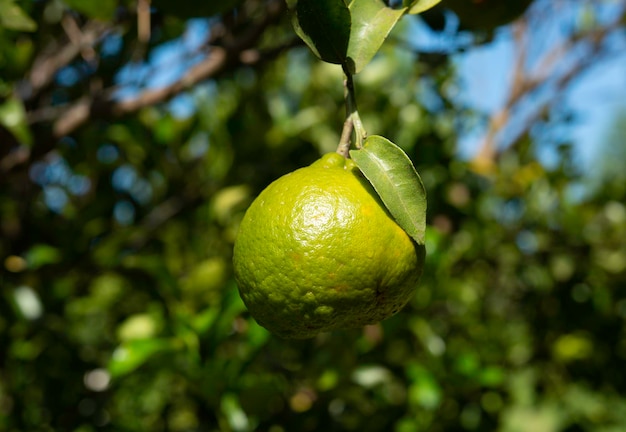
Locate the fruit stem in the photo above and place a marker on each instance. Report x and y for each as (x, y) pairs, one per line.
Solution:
(344, 142)
(353, 120)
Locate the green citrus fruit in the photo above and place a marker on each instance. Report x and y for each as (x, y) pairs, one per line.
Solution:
(317, 251)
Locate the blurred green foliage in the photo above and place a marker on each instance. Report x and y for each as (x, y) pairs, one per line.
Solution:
(119, 310)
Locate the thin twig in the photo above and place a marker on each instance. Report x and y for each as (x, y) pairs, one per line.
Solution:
(525, 83)
(352, 111)
(56, 57)
(218, 60)
(143, 21)
(76, 36)
(346, 134)
(487, 152)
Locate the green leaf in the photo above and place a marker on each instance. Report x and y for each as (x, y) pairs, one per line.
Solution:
(13, 17)
(419, 6)
(42, 254)
(371, 23)
(193, 9)
(103, 9)
(13, 117)
(132, 354)
(393, 176)
(324, 25)
(137, 326)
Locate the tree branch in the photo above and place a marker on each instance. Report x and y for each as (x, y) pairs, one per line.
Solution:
(88, 106)
(54, 57)
(525, 83)
(226, 50)
(219, 58)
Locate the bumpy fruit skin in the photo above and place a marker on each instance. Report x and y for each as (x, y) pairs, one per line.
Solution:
(317, 251)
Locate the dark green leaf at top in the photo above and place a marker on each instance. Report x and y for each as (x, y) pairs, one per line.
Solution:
(419, 6)
(324, 25)
(186, 9)
(393, 176)
(104, 9)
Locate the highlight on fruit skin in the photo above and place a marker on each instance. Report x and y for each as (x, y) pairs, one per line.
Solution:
(317, 251)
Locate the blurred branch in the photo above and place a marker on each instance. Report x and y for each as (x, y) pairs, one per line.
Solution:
(226, 50)
(218, 59)
(99, 106)
(143, 21)
(55, 56)
(487, 152)
(77, 38)
(15, 156)
(526, 82)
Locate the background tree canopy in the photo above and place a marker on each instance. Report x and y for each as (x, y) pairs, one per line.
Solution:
(133, 136)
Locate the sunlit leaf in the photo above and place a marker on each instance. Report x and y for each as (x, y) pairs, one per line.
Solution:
(13, 117)
(13, 17)
(138, 326)
(371, 23)
(132, 354)
(573, 346)
(391, 173)
(235, 415)
(424, 391)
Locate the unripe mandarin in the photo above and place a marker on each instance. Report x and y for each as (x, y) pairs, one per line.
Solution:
(317, 251)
